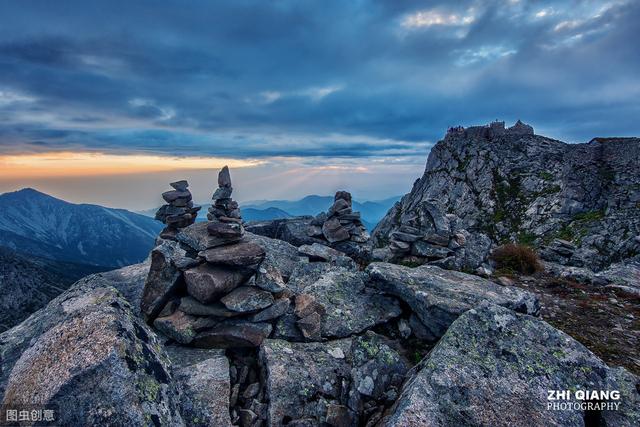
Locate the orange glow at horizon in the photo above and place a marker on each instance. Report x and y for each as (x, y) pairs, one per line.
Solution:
(70, 164)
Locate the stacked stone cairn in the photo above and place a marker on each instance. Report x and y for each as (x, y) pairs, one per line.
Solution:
(179, 211)
(211, 297)
(340, 223)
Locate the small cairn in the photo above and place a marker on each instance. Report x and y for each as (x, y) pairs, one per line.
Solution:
(179, 211)
(224, 208)
(340, 223)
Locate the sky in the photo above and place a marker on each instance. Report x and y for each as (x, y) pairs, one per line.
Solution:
(107, 101)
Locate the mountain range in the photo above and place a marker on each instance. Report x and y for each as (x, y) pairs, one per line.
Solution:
(39, 225)
(262, 210)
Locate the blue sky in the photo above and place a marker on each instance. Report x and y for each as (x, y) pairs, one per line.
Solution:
(298, 84)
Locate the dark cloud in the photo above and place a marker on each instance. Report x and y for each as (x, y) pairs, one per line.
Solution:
(296, 78)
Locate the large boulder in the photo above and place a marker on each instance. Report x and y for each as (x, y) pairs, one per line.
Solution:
(350, 306)
(203, 376)
(496, 367)
(439, 296)
(317, 383)
(86, 354)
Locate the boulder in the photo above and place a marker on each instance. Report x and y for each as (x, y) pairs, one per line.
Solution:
(291, 230)
(317, 383)
(207, 283)
(349, 305)
(496, 367)
(86, 352)
(439, 296)
(203, 376)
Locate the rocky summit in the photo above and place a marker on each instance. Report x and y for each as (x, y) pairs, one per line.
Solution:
(487, 185)
(302, 322)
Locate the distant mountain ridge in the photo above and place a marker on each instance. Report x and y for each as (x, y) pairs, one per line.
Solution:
(262, 210)
(40, 225)
(372, 211)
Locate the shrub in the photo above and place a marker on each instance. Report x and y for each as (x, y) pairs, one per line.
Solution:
(516, 258)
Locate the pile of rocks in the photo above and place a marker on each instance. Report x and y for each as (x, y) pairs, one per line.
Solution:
(427, 235)
(213, 299)
(179, 211)
(341, 228)
(224, 208)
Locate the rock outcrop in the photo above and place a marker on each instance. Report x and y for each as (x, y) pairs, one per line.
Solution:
(439, 296)
(488, 184)
(91, 360)
(495, 367)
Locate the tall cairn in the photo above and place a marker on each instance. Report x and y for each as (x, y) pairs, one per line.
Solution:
(179, 211)
(224, 208)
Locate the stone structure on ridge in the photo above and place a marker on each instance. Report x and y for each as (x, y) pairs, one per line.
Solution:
(179, 211)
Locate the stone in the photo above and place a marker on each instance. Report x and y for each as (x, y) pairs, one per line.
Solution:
(194, 307)
(177, 326)
(204, 379)
(207, 283)
(404, 237)
(243, 254)
(222, 193)
(83, 352)
(181, 185)
(225, 231)
(291, 230)
(247, 299)
(502, 359)
(343, 195)
(224, 178)
(233, 333)
(164, 280)
(318, 252)
(425, 249)
(269, 278)
(277, 309)
(347, 304)
(311, 326)
(333, 231)
(170, 196)
(439, 296)
(306, 382)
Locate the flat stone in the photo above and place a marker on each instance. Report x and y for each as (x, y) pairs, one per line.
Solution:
(178, 326)
(247, 299)
(243, 254)
(306, 304)
(207, 283)
(318, 252)
(181, 185)
(225, 230)
(438, 239)
(194, 307)
(277, 309)
(233, 333)
(170, 196)
(269, 278)
(405, 237)
(333, 231)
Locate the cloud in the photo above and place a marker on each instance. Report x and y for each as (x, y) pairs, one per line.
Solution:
(378, 80)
